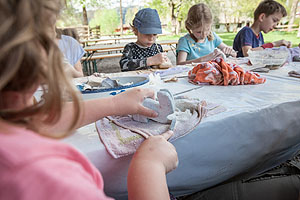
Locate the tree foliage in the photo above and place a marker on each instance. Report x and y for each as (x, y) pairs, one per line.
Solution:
(172, 12)
(130, 13)
(107, 19)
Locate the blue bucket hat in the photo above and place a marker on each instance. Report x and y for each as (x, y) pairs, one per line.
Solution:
(147, 21)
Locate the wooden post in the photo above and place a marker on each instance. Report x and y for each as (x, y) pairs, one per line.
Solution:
(121, 17)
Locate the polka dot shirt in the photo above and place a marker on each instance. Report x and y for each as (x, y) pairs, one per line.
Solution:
(135, 56)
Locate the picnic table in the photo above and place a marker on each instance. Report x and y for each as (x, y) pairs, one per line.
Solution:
(114, 40)
(94, 48)
(259, 129)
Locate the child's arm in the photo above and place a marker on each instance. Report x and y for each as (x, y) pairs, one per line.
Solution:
(156, 59)
(147, 171)
(245, 50)
(278, 43)
(129, 102)
(228, 51)
(128, 63)
(78, 67)
(182, 55)
(70, 70)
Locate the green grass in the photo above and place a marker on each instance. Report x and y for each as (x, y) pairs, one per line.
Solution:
(277, 35)
(269, 37)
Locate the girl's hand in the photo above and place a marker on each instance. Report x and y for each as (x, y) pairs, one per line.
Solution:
(217, 53)
(147, 171)
(156, 150)
(229, 51)
(130, 102)
(156, 59)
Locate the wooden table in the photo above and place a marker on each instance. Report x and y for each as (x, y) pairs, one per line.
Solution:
(106, 40)
(171, 43)
(111, 40)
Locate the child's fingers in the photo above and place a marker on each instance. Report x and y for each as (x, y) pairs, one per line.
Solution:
(228, 50)
(147, 112)
(167, 135)
(149, 93)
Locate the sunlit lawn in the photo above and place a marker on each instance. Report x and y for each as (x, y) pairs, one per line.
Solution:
(269, 37)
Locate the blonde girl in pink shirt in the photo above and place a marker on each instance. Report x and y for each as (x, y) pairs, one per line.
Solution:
(33, 163)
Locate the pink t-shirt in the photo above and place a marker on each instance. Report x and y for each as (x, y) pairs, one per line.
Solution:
(33, 167)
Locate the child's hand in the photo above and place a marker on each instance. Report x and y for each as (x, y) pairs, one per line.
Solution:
(229, 51)
(156, 150)
(216, 54)
(130, 102)
(279, 43)
(166, 59)
(156, 59)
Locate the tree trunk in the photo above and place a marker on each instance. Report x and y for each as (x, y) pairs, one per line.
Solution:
(84, 13)
(175, 8)
(293, 14)
(121, 17)
(173, 18)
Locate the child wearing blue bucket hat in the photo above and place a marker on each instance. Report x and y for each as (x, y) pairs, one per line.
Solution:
(145, 52)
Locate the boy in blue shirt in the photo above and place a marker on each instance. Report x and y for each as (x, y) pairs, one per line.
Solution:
(266, 17)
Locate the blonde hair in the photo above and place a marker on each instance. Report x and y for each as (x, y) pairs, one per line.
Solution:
(199, 15)
(29, 56)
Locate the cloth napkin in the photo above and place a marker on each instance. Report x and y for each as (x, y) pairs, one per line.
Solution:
(121, 135)
(218, 72)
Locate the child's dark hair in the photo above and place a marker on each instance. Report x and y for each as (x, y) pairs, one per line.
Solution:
(67, 31)
(269, 7)
(199, 15)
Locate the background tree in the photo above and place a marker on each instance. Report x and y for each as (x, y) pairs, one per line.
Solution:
(166, 9)
(130, 13)
(107, 19)
(69, 16)
(85, 4)
(292, 14)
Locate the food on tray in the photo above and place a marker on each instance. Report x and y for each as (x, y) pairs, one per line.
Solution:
(165, 65)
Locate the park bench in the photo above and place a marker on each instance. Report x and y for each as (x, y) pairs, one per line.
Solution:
(90, 63)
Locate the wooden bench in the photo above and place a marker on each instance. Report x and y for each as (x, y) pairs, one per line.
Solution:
(294, 27)
(90, 63)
